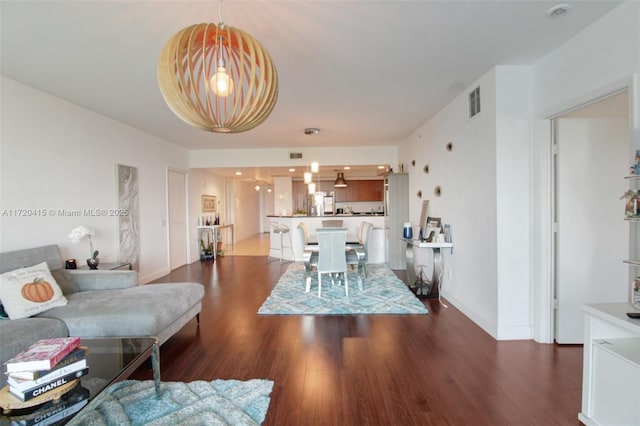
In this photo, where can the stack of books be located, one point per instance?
(45, 366)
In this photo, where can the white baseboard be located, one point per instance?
(148, 278)
(523, 332)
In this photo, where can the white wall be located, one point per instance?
(513, 188)
(283, 195)
(56, 155)
(485, 180)
(492, 149)
(280, 157)
(603, 57)
(246, 217)
(467, 176)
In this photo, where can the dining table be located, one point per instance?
(352, 244)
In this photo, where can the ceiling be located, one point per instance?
(368, 73)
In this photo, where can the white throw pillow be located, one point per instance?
(28, 291)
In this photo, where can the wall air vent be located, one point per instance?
(474, 102)
(295, 155)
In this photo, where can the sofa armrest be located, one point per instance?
(103, 280)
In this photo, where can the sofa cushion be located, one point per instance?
(139, 311)
(64, 280)
(28, 291)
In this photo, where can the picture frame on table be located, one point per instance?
(432, 229)
(423, 220)
(209, 204)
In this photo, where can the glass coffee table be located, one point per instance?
(110, 360)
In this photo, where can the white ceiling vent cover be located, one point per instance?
(474, 102)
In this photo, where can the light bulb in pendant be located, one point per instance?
(307, 177)
(315, 167)
(312, 188)
(221, 83)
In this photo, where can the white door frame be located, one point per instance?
(187, 215)
(544, 291)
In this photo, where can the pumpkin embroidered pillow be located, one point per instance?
(28, 291)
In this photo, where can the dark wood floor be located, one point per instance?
(436, 369)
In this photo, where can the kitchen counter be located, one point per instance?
(329, 216)
(377, 247)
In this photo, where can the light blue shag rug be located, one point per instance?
(220, 402)
(383, 293)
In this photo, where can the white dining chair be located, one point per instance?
(332, 256)
(309, 258)
(365, 236)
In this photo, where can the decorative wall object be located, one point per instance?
(128, 224)
(209, 204)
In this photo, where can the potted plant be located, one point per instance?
(206, 249)
(80, 233)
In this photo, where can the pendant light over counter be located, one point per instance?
(218, 78)
(340, 182)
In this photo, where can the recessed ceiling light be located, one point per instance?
(238, 173)
(292, 170)
(347, 168)
(381, 167)
(558, 10)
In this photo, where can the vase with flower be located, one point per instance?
(80, 233)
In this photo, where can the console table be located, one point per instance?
(213, 229)
(433, 284)
(111, 266)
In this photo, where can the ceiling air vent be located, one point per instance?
(295, 155)
(474, 102)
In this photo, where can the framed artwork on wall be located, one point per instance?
(208, 204)
(128, 225)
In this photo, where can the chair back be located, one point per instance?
(331, 249)
(302, 235)
(365, 235)
(333, 223)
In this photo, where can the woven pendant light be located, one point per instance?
(244, 79)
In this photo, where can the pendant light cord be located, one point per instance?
(220, 29)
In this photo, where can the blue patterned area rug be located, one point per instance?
(383, 293)
(220, 402)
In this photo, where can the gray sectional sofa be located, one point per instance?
(100, 304)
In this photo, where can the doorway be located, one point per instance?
(590, 160)
(177, 206)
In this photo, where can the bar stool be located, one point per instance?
(282, 230)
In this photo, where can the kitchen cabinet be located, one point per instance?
(357, 190)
